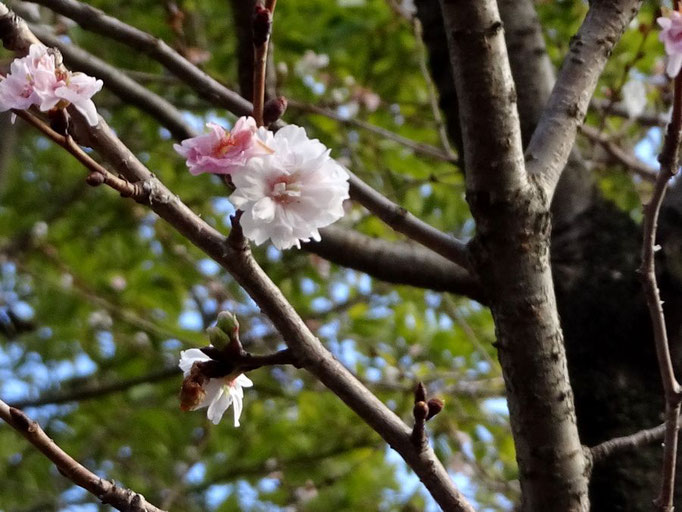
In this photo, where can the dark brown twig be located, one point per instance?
(625, 158)
(107, 492)
(139, 191)
(617, 445)
(668, 158)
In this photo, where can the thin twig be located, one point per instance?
(625, 158)
(98, 174)
(417, 147)
(669, 163)
(262, 27)
(617, 445)
(107, 492)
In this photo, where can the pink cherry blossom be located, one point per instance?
(671, 35)
(288, 195)
(222, 152)
(18, 89)
(35, 80)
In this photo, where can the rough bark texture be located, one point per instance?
(594, 252)
(511, 256)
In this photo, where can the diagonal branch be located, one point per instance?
(237, 259)
(590, 49)
(107, 492)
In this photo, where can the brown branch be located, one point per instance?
(262, 27)
(404, 222)
(107, 492)
(617, 445)
(309, 351)
(625, 158)
(669, 159)
(551, 143)
(417, 147)
(99, 175)
(395, 262)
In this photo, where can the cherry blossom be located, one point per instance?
(671, 35)
(74, 88)
(220, 393)
(288, 195)
(222, 152)
(35, 80)
(17, 90)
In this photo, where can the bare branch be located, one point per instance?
(404, 222)
(395, 262)
(669, 158)
(617, 445)
(620, 155)
(107, 492)
(549, 148)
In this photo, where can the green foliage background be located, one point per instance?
(94, 290)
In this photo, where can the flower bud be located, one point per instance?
(435, 406)
(219, 338)
(262, 23)
(227, 322)
(274, 109)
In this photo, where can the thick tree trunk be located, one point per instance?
(595, 252)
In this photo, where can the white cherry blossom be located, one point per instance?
(221, 392)
(288, 195)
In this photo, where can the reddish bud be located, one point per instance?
(420, 393)
(420, 411)
(274, 109)
(95, 179)
(435, 406)
(262, 23)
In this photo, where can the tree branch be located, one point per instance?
(404, 222)
(591, 47)
(395, 262)
(617, 445)
(669, 158)
(620, 155)
(237, 259)
(107, 492)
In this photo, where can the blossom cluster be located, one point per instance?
(37, 80)
(286, 185)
